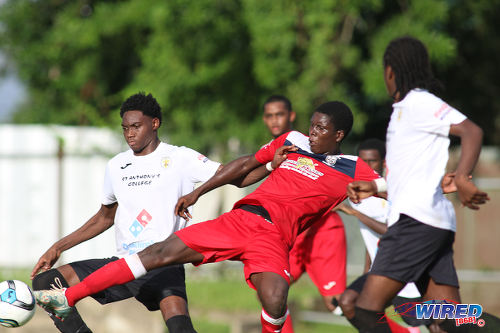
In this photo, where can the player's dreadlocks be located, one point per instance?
(140, 102)
(409, 60)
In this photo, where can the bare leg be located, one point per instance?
(272, 290)
(377, 292)
(347, 302)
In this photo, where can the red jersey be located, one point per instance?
(305, 186)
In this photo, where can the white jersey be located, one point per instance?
(417, 153)
(378, 209)
(147, 189)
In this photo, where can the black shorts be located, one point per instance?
(411, 251)
(357, 285)
(149, 289)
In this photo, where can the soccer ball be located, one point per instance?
(17, 304)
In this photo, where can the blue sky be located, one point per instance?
(12, 92)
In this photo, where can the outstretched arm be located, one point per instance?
(96, 225)
(237, 172)
(262, 172)
(471, 137)
(373, 224)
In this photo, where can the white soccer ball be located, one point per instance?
(17, 304)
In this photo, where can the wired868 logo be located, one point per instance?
(462, 313)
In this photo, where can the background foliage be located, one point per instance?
(211, 63)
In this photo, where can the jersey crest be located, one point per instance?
(165, 161)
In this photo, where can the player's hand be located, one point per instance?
(46, 261)
(448, 182)
(468, 194)
(184, 202)
(281, 155)
(358, 190)
(345, 209)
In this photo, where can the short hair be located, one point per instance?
(140, 102)
(375, 144)
(410, 62)
(278, 98)
(340, 115)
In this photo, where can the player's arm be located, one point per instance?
(368, 262)
(253, 177)
(234, 172)
(471, 137)
(96, 225)
(361, 189)
(373, 224)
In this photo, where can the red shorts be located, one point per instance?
(321, 252)
(243, 236)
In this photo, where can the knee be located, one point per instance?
(274, 300)
(347, 301)
(49, 279)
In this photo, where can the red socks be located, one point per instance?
(271, 325)
(114, 273)
(287, 325)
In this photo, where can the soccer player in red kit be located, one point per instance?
(321, 250)
(309, 176)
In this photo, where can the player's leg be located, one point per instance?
(348, 298)
(62, 277)
(326, 247)
(164, 289)
(370, 306)
(272, 290)
(297, 268)
(175, 314)
(120, 272)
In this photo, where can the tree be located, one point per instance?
(212, 63)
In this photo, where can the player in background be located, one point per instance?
(421, 217)
(372, 214)
(320, 250)
(309, 177)
(141, 187)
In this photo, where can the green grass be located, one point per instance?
(21, 274)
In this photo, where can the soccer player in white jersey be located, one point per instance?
(418, 246)
(321, 250)
(372, 214)
(141, 187)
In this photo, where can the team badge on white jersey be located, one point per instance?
(165, 161)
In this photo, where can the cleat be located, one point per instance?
(53, 301)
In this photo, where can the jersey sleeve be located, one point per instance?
(266, 153)
(108, 195)
(364, 172)
(198, 167)
(433, 115)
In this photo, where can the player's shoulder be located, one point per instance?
(298, 139)
(121, 157)
(187, 153)
(421, 100)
